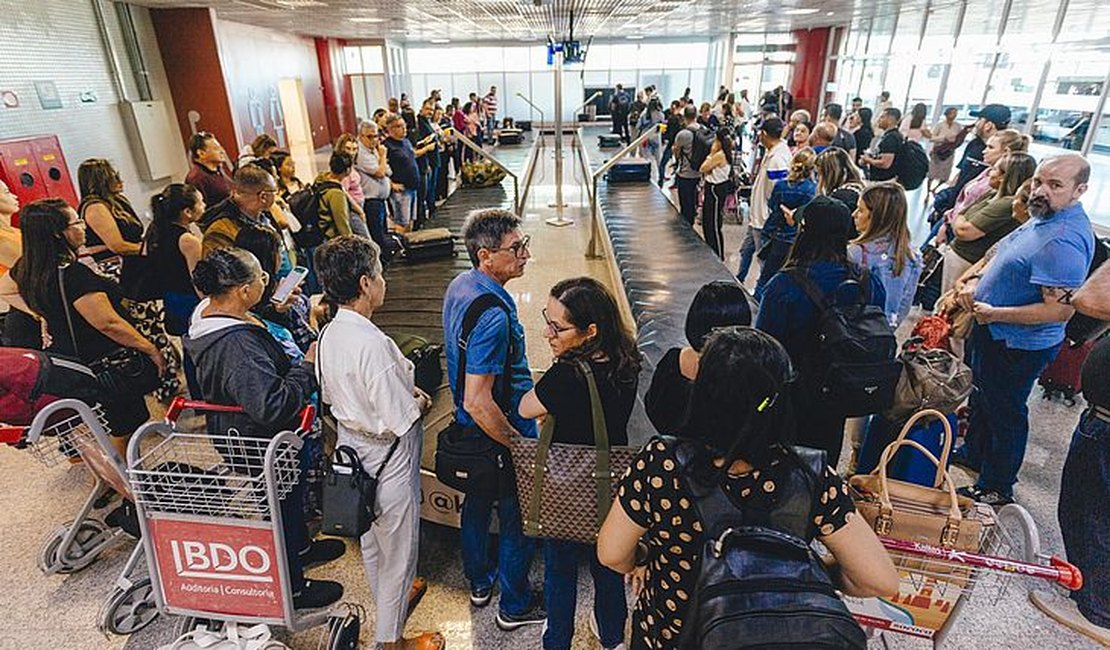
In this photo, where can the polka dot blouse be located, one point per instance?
(656, 497)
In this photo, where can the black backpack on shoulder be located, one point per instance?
(856, 369)
(305, 204)
(699, 149)
(911, 165)
(760, 584)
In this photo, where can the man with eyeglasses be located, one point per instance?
(406, 179)
(252, 194)
(207, 173)
(486, 403)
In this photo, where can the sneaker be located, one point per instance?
(992, 498)
(317, 594)
(323, 551)
(535, 615)
(962, 461)
(481, 597)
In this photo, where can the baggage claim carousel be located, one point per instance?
(659, 260)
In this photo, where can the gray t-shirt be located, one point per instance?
(367, 164)
(684, 149)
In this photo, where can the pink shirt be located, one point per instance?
(352, 184)
(972, 192)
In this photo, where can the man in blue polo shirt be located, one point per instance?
(1021, 300)
(499, 252)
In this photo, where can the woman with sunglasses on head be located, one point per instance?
(737, 441)
(583, 326)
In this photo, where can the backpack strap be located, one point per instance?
(812, 291)
(474, 312)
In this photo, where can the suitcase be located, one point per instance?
(630, 170)
(430, 244)
(908, 464)
(609, 141)
(1061, 377)
(510, 136)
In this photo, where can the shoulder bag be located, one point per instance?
(565, 490)
(125, 371)
(466, 458)
(931, 379)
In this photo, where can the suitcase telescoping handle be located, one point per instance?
(179, 404)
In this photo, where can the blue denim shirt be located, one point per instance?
(878, 256)
(1052, 251)
(487, 346)
(789, 194)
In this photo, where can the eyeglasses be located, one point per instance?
(263, 276)
(73, 224)
(552, 326)
(266, 193)
(517, 248)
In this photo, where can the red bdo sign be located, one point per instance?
(218, 568)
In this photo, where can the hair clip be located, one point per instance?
(767, 403)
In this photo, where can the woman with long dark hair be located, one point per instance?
(174, 247)
(820, 254)
(737, 440)
(865, 133)
(114, 229)
(80, 308)
(913, 126)
(583, 326)
(717, 172)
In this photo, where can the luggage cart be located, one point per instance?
(62, 432)
(68, 429)
(209, 510)
(936, 583)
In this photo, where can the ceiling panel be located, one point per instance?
(534, 20)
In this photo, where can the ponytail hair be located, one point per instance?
(801, 167)
(166, 208)
(1012, 140)
(223, 270)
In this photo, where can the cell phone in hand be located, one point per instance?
(288, 284)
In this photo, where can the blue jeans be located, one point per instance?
(1084, 514)
(359, 226)
(560, 590)
(430, 190)
(663, 163)
(772, 263)
(999, 426)
(687, 197)
(514, 551)
(753, 240)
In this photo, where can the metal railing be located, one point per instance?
(529, 172)
(538, 127)
(595, 232)
(517, 203)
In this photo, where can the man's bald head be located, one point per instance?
(824, 134)
(1058, 182)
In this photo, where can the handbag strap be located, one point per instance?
(65, 308)
(884, 487)
(946, 447)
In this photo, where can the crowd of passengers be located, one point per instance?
(89, 280)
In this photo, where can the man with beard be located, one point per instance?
(1021, 300)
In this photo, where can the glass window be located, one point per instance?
(653, 56)
(1070, 99)
(980, 29)
(372, 60)
(426, 59)
(1085, 22)
(937, 44)
(968, 79)
(519, 59)
(352, 62)
(909, 30)
(514, 106)
(1030, 22)
(1015, 80)
(1097, 198)
(597, 57)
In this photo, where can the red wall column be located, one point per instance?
(809, 62)
(191, 56)
(338, 96)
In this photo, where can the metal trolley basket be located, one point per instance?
(209, 510)
(936, 583)
(68, 430)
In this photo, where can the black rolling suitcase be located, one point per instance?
(510, 136)
(630, 170)
(430, 244)
(609, 141)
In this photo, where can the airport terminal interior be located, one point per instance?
(651, 146)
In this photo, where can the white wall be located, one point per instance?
(58, 40)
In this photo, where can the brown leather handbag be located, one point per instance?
(565, 490)
(931, 515)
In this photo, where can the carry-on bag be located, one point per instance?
(609, 141)
(931, 515)
(565, 490)
(630, 170)
(510, 136)
(425, 356)
(936, 434)
(429, 244)
(931, 379)
(467, 459)
(351, 494)
(1062, 377)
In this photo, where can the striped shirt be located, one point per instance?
(489, 102)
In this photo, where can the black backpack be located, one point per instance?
(911, 165)
(699, 149)
(855, 370)
(760, 585)
(305, 204)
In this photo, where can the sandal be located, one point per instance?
(416, 594)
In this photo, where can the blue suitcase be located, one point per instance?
(908, 464)
(630, 170)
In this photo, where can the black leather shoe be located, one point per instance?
(318, 593)
(323, 551)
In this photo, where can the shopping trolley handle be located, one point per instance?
(1070, 577)
(179, 404)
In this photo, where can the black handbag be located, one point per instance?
(350, 494)
(125, 371)
(466, 458)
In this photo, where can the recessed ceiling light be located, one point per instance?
(799, 12)
(440, 41)
(830, 13)
(364, 19)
